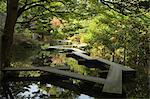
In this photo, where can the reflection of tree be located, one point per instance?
(43, 91)
(18, 87)
(57, 92)
(75, 67)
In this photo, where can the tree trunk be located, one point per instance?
(7, 36)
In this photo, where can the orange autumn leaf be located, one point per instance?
(55, 22)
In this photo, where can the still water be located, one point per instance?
(33, 91)
(38, 90)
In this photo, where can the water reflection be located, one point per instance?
(23, 86)
(35, 91)
(42, 85)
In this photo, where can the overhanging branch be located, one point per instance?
(127, 7)
(31, 5)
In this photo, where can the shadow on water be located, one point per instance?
(44, 85)
(37, 90)
(54, 89)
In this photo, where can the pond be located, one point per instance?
(38, 91)
(57, 72)
(42, 85)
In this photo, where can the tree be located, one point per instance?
(15, 9)
(7, 36)
(101, 29)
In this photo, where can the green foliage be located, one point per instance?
(107, 32)
(75, 67)
(2, 6)
(126, 37)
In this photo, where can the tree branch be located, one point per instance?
(127, 7)
(23, 8)
(30, 20)
(104, 2)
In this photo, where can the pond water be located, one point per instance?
(34, 91)
(54, 86)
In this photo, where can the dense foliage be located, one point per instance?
(115, 30)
